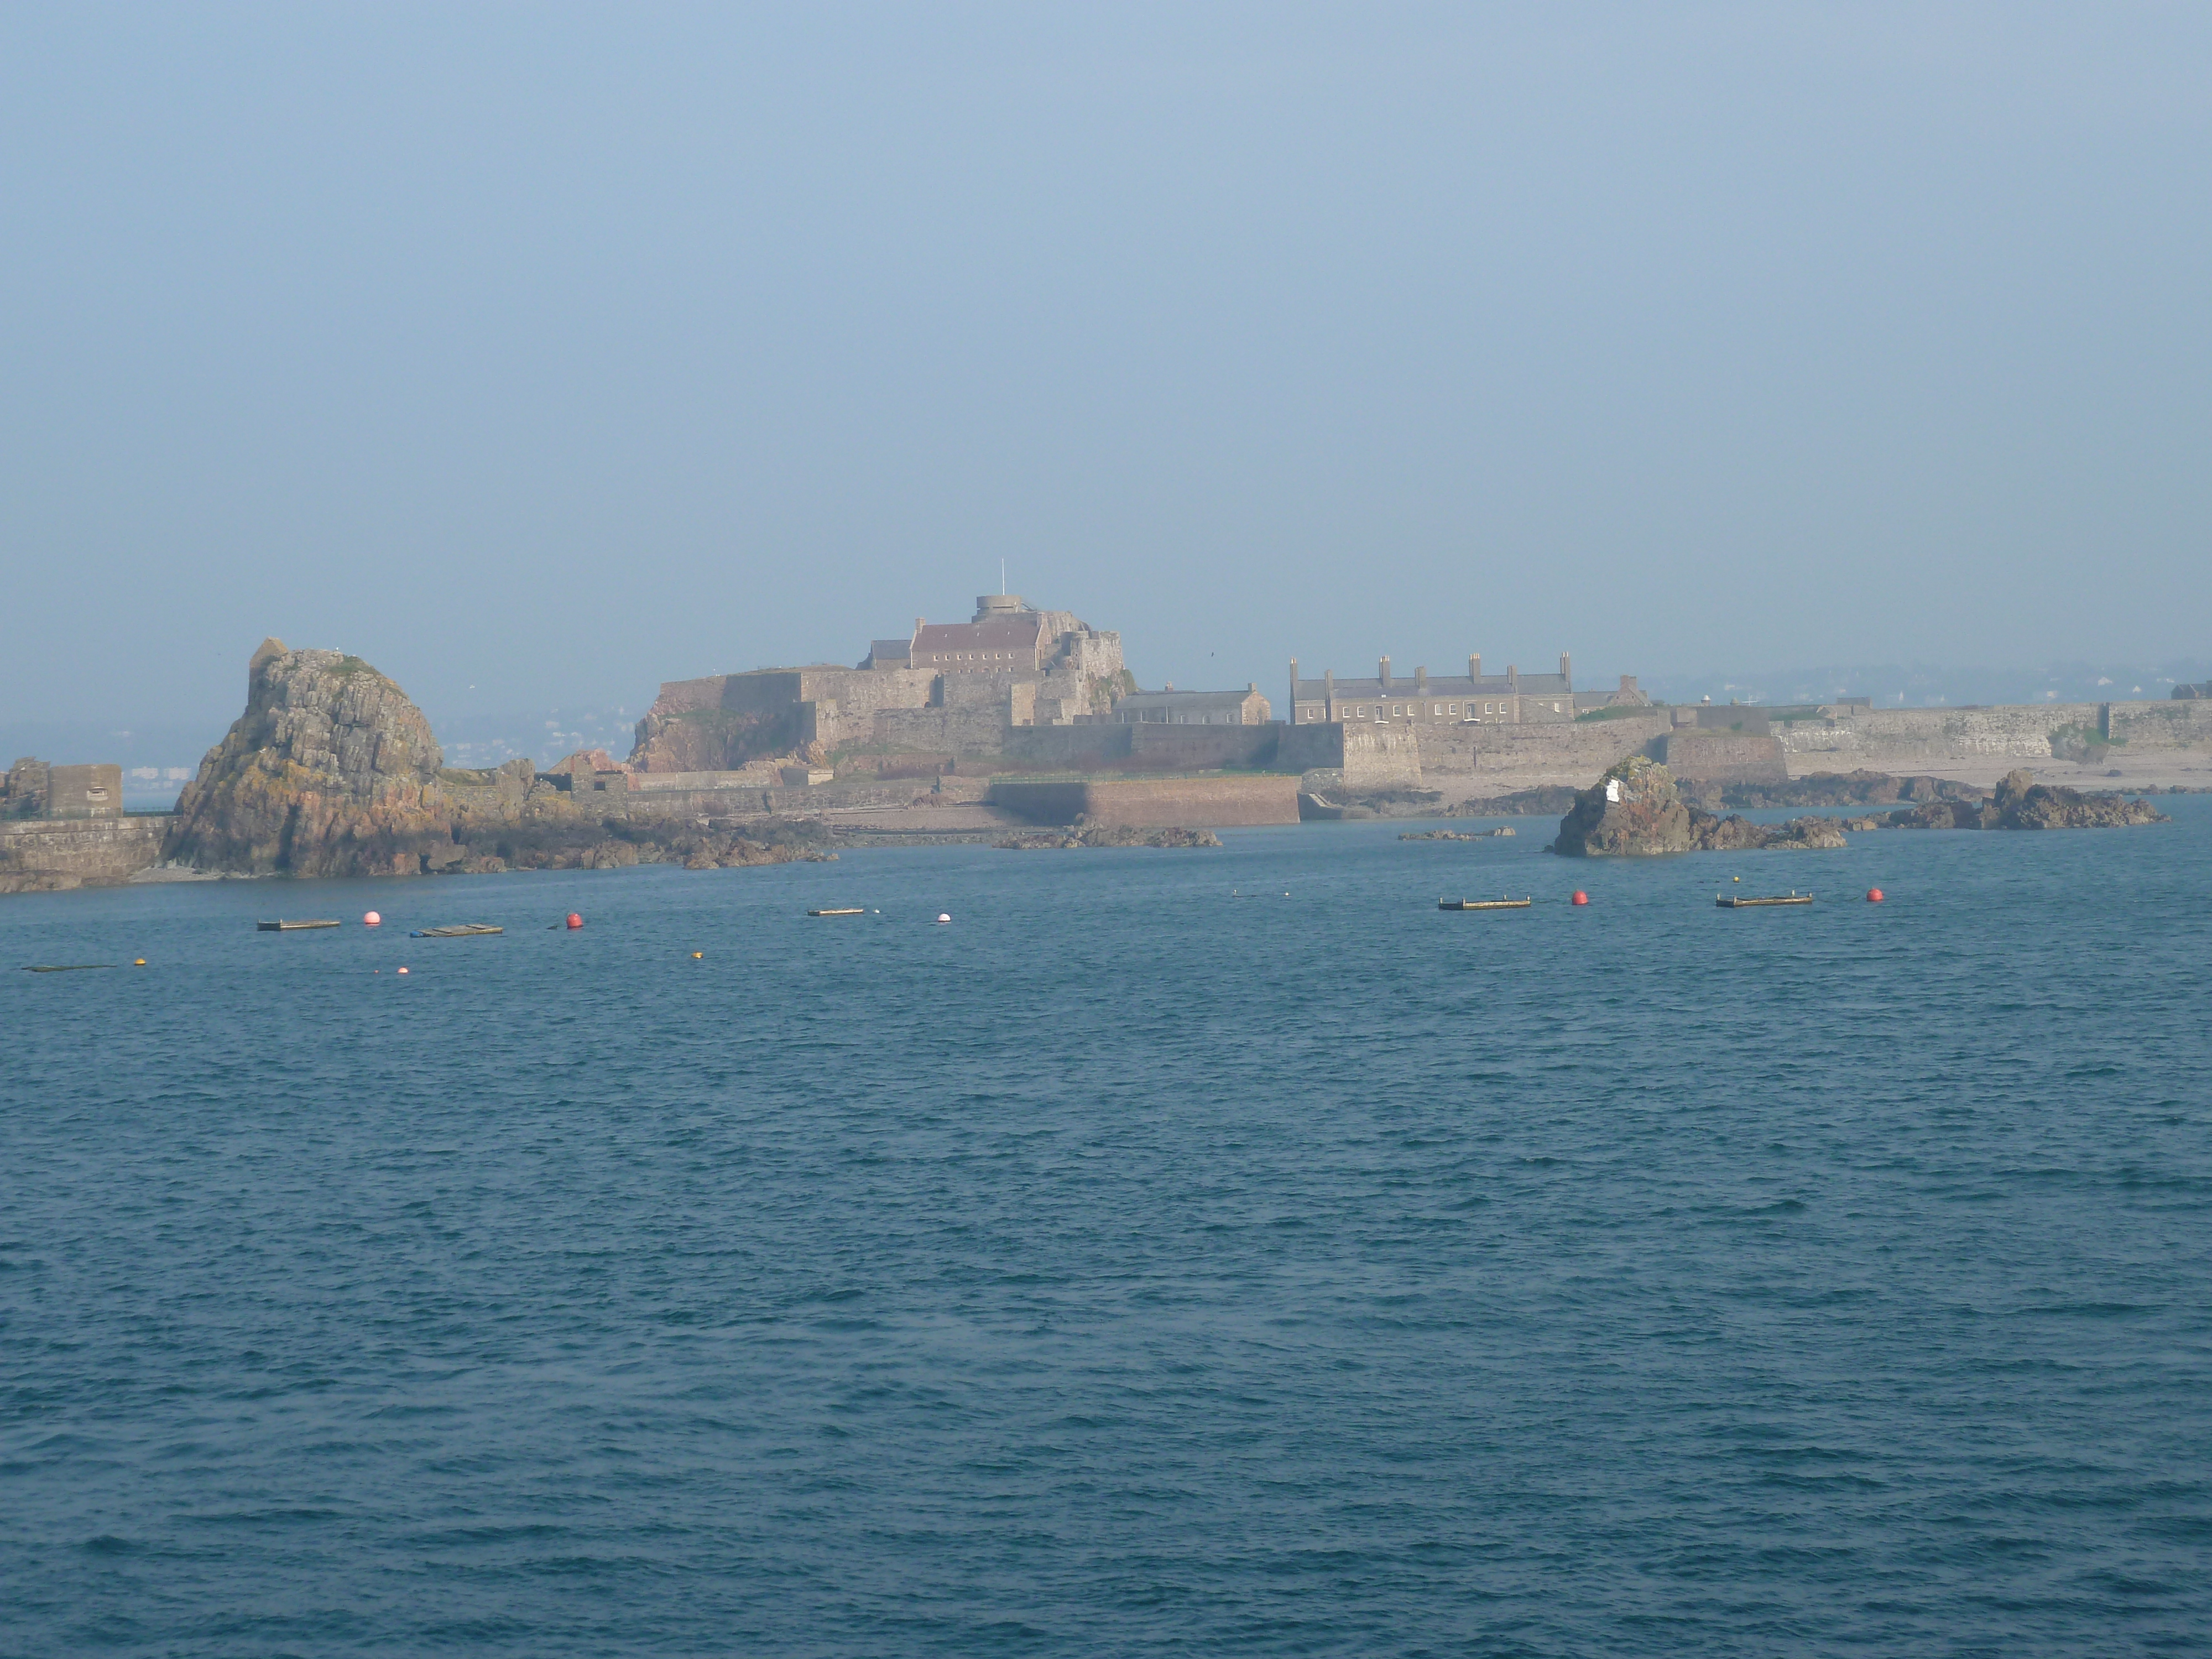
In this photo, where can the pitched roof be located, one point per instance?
(1185, 699)
(1018, 632)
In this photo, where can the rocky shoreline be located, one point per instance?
(1086, 833)
(332, 771)
(1637, 810)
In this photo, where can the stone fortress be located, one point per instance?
(1021, 714)
(946, 687)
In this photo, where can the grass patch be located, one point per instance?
(1614, 714)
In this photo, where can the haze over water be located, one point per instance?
(1191, 1252)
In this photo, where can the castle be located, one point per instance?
(946, 687)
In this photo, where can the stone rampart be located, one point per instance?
(1569, 751)
(1723, 756)
(2175, 724)
(1916, 740)
(957, 728)
(48, 855)
(1199, 803)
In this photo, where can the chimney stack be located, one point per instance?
(1420, 682)
(1329, 694)
(1567, 670)
(1382, 674)
(1293, 715)
(1474, 666)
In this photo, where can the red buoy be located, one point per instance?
(1580, 898)
(1874, 896)
(575, 920)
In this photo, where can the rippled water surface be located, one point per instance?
(1200, 1252)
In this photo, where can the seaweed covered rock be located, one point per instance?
(2023, 804)
(1084, 832)
(2020, 803)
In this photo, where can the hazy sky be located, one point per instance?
(557, 352)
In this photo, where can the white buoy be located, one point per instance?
(941, 917)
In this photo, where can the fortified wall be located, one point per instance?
(52, 855)
(1216, 802)
(2169, 742)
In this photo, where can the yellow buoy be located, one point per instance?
(141, 963)
(698, 956)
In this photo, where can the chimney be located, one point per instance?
(1294, 691)
(1513, 678)
(1420, 682)
(1567, 670)
(1329, 693)
(1382, 674)
(1474, 666)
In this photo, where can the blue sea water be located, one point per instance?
(1195, 1252)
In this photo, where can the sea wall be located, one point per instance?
(1562, 751)
(1200, 803)
(48, 855)
(1913, 739)
(1141, 747)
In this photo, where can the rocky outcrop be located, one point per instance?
(1085, 833)
(1859, 788)
(2020, 803)
(1636, 810)
(332, 771)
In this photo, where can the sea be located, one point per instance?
(1219, 1251)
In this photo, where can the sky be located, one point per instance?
(538, 354)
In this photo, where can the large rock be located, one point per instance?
(1633, 811)
(330, 771)
(1636, 810)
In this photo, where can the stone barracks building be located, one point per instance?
(1511, 698)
